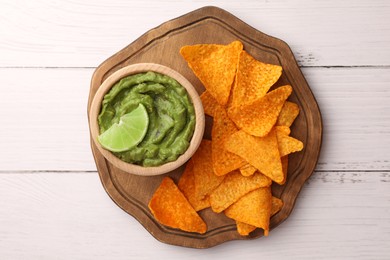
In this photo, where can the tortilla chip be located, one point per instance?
(223, 160)
(282, 130)
(277, 205)
(172, 209)
(209, 103)
(187, 186)
(247, 170)
(254, 209)
(288, 144)
(288, 114)
(215, 66)
(245, 229)
(205, 179)
(233, 187)
(261, 152)
(253, 80)
(259, 117)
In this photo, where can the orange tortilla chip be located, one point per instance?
(288, 114)
(247, 170)
(254, 209)
(282, 130)
(187, 186)
(233, 187)
(205, 179)
(223, 160)
(277, 205)
(261, 152)
(259, 117)
(253, 80)
(244, 229)
(209, 103)
(171, 208)
(215, 66)
(288, 144)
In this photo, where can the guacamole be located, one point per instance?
(171, 116)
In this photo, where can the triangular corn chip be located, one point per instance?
(223, 160)
(244, 229)
(205, 179)
(261, 152)
(288, 144)
(253, 80)
(171, 208)
(259, 117)
(247, 170)
(187, 186)
(215, 66)
(288, 114)
(253, 208)
(233, 187)
(209, 103)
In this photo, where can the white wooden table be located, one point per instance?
(52, 204)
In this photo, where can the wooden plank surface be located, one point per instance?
(52, 204)
(82, 34)
(69, 216)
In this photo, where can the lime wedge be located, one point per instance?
(128, 133)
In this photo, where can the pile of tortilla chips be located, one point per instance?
(250, 142)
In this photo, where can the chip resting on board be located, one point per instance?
(254, 209)
(187, 186)
(215, 66)
(233, 187)
(259, 117)
(205, 179)
(223, 160)
(261, 152)
(253, 80)
(171, 208)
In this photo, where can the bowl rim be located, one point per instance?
(135, 69)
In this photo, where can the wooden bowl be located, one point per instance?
(137, 169)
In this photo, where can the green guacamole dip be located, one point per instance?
(171, 116)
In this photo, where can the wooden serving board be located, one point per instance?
(161, 45)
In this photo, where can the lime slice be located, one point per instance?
(128, 133)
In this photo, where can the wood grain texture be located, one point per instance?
(162, 45)
(82, 34)
(338, 215)
(53, 211)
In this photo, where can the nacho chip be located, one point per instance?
(288, 114)
(209, 103)
(223, 160)
(288, 144)
(215, 66)
(233, 187)
(187, 186)
(261, 152)
(282, 130)
(172, 209)
(277, 205)
(253, 80)
(247, 170)
(254, 209)
(259, 117)
(205, 179)
(245, 229)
